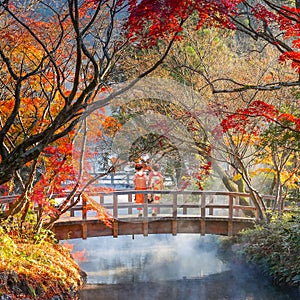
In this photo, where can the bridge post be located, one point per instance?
(211, 209)
(184, 209)
(101, 199)
(145, 227)
(112, 179)
(174, 207)
(174, 213)
(174, 227)
(145, 207)
(115, 228)
(84, 231)
(202, 214)
(72, 213)
(115, 206)
(130, 201)
(145, 211)
(230, 216)
(84, 208)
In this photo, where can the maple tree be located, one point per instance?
(244, 87)
(57, 63)
(197, 60)
(57, 58)
(273, 139)
(271, 23)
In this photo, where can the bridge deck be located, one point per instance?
(78, 228)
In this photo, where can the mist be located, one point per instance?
(168, 267)
(148, 259)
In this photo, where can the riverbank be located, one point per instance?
(273, 247)
(36, 269)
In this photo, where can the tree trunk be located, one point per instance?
(232, 186)
(229, 184)
(278, 203)
(255, 196)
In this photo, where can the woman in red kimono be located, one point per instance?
(140, 183)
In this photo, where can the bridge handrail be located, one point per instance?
(11, 198)
(205, 203)
(130, 204)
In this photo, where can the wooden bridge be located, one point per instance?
(200, 212)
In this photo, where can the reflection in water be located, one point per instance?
(167, 267)
(221, 286)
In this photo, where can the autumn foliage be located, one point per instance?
(270, 136)
(242, 117)
(286, 20)
(58, 63)
(151, 21)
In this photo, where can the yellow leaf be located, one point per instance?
(237, 177)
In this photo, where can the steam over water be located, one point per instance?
(145, 259)
(167, 267)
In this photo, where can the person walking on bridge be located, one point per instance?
(140, 183)
(155, 182)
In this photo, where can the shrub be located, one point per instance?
(34, 266)
(275, 248)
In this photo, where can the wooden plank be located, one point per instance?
(244, 207)
(217, 205)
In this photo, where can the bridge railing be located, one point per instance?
(173, 203)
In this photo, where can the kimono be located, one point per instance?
(140, 183)
(155, 182)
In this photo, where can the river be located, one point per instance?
(183, 267)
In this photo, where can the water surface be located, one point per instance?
(168, 267)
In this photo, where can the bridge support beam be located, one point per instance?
(115, 228)
(202, 213)
(230, 216)
(145, 228)
(84, 231)
(202, 227)
(174, 227)
(230, 228)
